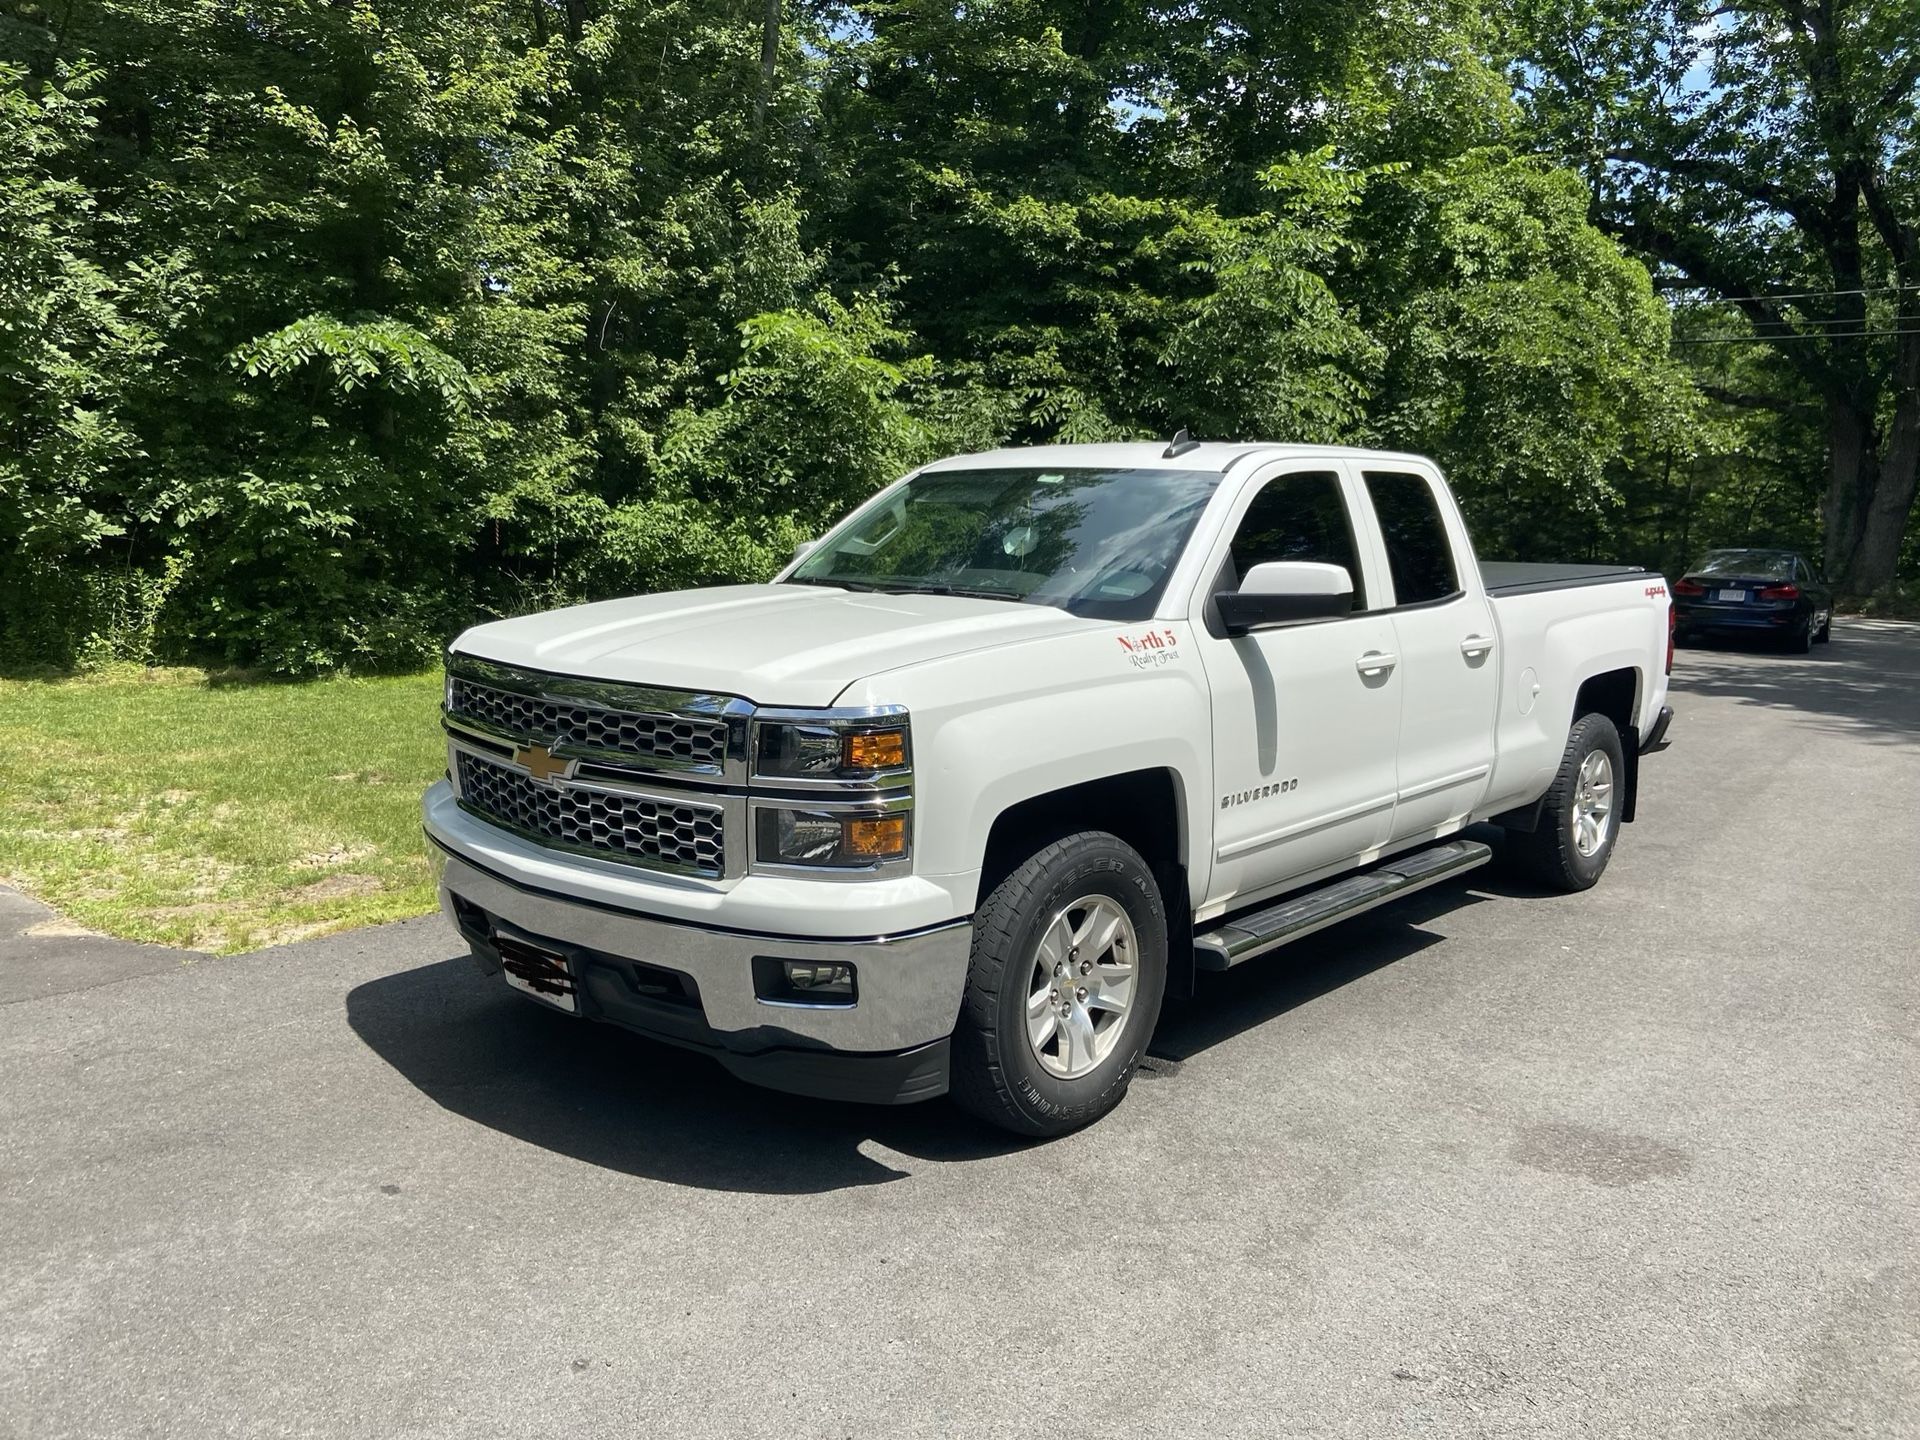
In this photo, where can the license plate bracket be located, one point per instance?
(547, 975)
(1731, 597)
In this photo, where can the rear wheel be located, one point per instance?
(1580, 818)
(1068, 971)
(1799, 640)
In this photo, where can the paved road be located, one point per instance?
(1640, 1162)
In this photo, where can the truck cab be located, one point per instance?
(1022, 743)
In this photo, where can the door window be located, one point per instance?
(1419, 554)
(1298, 517)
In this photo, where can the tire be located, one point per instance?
(999, 1071)
(1825, 633)
(1800, 640)
(1553, 853)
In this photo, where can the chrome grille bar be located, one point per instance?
(636, 727)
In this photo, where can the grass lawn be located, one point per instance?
(165, 805)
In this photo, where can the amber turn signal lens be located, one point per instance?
(877, 839)
(877, 750)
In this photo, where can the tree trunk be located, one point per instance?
(1876, 553)
(1871, 479)
(769, 56)
(1853, 473)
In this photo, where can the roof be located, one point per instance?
(1218, 456)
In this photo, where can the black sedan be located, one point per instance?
(1773, 594)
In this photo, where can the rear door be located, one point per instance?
(1305, 716)
(1443, 629)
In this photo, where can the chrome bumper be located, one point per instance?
(909, 985)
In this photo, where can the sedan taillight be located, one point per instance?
(1780, 592)
(1688, 587)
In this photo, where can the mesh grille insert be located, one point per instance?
(652, 832)
(565, 722)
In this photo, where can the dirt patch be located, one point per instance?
(339, 887)
(59, 928)
(327, 859)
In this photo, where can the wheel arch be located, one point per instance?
(1616, 695)
(1146, 808)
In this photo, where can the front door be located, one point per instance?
(1305, 716)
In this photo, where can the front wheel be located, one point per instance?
(1580, 819)
(1068, 971)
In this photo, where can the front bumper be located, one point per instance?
(693, 986)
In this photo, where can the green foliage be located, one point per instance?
(1524, 351)
(1765, 154)
(328, 328)
(67, 344)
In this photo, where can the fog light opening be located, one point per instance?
(805, 982)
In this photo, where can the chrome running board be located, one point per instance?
(1287, 920)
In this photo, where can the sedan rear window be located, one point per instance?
(1757, 564)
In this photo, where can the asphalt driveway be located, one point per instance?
(1637, 1162)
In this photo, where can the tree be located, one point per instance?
(1767, 152)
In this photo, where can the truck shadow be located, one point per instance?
(609, 1098)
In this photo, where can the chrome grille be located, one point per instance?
(558, 722)
(664, 834)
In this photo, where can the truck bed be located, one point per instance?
(1513, 577)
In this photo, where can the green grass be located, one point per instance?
(167, 805)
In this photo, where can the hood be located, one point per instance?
(772, 644)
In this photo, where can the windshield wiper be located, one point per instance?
(908, 587)
(834, 584)
(969, 592)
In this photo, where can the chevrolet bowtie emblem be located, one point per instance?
(542, 763)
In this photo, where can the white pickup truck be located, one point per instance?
(1022, 744)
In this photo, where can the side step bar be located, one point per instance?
(1246, 936)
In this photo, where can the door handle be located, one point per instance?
(1475, 645)
(1375, 662)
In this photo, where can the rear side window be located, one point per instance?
(1419, 555)
(1298, 517)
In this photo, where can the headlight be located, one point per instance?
(835, 748)
(822, 838)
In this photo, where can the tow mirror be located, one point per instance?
(1285, 592)
(804, 549)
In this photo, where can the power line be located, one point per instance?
(1776, 339)
(1797, 294)
(1855, 321)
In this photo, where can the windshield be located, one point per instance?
(1099, 543)
(1761, 564)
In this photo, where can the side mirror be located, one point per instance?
(804, 549)
(1284, 592)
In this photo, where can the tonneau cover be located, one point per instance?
(1513, 577)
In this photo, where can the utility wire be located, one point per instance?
(1853, 321)
(1794, 294)
(1776, 339)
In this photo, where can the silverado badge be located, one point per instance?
(542, 764)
